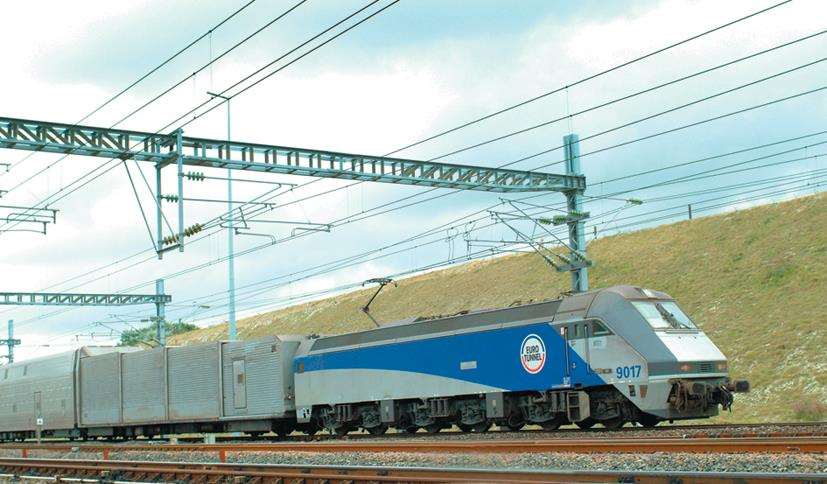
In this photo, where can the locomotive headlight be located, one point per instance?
(686, 367)
(722, 366)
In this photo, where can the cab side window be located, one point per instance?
(598, 329)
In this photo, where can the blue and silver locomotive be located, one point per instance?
(610, 356)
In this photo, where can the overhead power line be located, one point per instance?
(89, 175)
(646, 91)
(173, 86)
(589, 78)
(155, 69)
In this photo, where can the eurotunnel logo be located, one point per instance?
(533, 354)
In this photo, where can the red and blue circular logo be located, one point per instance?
(533, 354)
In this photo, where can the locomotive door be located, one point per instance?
(577, 367)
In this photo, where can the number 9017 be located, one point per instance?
(622, 372)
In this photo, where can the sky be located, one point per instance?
(418, 68)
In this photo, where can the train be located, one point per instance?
(612, 356)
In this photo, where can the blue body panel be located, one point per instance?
(492, 358)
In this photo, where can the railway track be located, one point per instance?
(583, 446)
(109, 471)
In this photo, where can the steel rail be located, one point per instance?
(581, 446)
(110, 471)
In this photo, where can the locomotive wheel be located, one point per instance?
(586, 423)
(551, 425)
(434, 428)
(341, 431)
(614, 423)
(465, 428)
(378, 430)
(648, 420)
(481, 427)
(514, 423)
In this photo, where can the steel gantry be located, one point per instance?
(175, 149)
(159, 299)
(67, 299)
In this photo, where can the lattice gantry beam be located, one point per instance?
(64, 299)
(163, 149)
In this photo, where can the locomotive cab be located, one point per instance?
(682, 375)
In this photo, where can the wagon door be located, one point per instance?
(239, 384)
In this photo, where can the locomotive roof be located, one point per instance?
(417, 327)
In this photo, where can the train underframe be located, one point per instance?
(477, 413)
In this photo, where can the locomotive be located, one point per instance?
(611, 356)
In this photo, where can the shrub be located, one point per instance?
(810, 410)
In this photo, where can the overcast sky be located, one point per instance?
(418, 68)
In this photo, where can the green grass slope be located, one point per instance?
(755, 280)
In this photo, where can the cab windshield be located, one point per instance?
(664, 315)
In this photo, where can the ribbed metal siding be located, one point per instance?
(263, 378)
(193, 382)
(144, 386)
(53, 377)
(100, 388)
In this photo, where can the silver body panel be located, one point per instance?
(241, 380)
(144, 386)
(48, 383)
(194, 382)
(258, 380)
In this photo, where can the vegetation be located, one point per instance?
(755, 280)
(810, 410)
(146, 336)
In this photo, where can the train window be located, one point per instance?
(598, 329)
(663, 315)
(577, 331)
(674, 312)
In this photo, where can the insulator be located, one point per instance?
(193, 229)
(195, 176)
(170, 198)
(171, 239)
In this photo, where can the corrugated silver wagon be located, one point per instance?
(212, 387)
(42, 389)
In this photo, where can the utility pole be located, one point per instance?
(690, 211)
(11, 342)
(160, 315)
(231, 321)
(575, 218)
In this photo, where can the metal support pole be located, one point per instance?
(576, 223)
(690, 211)
(232, 331)
(10, 341)
(179, 148)
(159, 228)
(160, 314)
